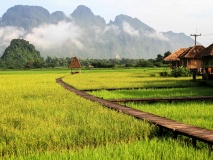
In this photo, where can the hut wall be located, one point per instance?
(184, 62)
(207, 62)
(174, 64)
(194, 63)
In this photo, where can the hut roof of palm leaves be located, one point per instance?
(75, 63)
(208, 51)
(174, 55)
(193, 52)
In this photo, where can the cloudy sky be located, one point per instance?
(187, 16)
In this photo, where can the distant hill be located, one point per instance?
(18, 53)
(58, 16)
(25, 16)
(84, 17)
(125, 37)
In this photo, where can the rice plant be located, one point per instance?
(38, 115)
(193, 113)
(39, 119)
(105, 79)
(153, 93)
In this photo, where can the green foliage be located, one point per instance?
(157, 64)
(102, 65)
(152, 75)
(164, 74)
(57, 62)
(180, 72)
(159, 58)
(144, 63)
(166, 54)
(2, 64)
(21, 54)
(34, 64)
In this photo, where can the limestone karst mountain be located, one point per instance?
(89, 35)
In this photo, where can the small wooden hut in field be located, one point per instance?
(207, 62)
(173, 59)
(192, 57)
(75, 64)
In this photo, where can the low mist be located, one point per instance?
(46, 38)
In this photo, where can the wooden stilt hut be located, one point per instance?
(173, 59)
(75, 64)
(192, 57)
(207, 59)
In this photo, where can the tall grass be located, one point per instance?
(153, 93)
(39, 119)
(105, 79)
(37, 115)
(154, 149)
(194, 113)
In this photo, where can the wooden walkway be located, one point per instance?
(196, 133)
(170, 99)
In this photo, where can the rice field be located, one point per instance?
(153, 93)
(156, 149)
(38, 115)
(193, 113)
(39, 119)
(129, 78)
(198, 113)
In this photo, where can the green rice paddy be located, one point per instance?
(41, 120)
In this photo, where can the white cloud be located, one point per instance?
(130, 30)
(54, 35)
(159, 36)
(45, 37)
(9, 33)
(113, 28)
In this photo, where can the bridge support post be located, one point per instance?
(175, 135)
(160, 131)
(194, 142)
(210, 147)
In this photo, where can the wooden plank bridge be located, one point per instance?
(194, 132)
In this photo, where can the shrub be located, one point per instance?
(180, 72)
(158, 64)
(164, 74)
(152, 75)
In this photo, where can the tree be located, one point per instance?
(19, 53)
(166, 54)
(2, 64)
(159, 58)
(144, 63)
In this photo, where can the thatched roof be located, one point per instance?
(75, 63)
(174, 55)
(208, 51)
(193, 52)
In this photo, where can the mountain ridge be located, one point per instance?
(91, 36)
